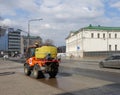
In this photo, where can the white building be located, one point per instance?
(93, 41)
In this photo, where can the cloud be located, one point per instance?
(5, 8)
(7, 22)
(73, 9)
(46, 26)
(116, 5)
(59, 16)
(53, 3)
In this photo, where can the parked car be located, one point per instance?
(5, 57)
(111, 61)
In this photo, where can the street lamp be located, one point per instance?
(29, 21)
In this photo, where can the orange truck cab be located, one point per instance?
(40, 60)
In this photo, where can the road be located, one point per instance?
(74, 78)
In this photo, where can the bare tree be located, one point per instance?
(48, 42)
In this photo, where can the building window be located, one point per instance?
(103, 35)
(98, 35)
(92, 35)
(109, 35)
(110, 48)
(115, 47)
(115, 35)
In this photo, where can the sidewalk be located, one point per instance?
(86, 59)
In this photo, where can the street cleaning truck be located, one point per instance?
(41, 60)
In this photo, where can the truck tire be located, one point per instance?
(27, 69)
(52, 74)
(37, 73)
(54, 71)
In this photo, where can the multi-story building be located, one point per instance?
(93, 41)
(3, 39)
(10, 41)
(14, 41)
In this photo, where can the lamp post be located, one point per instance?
(29, 21)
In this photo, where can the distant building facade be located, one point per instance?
(93, 41)
(3, 39)
(10, 41)
(33, 40)
(61, 49)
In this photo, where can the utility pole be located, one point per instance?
(29, 21)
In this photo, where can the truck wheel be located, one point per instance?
(27, 69)
(37, 73)
(54, 71)
(52, 74)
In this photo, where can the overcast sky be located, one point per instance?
(59, 16)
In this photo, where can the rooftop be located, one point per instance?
(102, 28)
(91, 27)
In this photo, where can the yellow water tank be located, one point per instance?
(43, 51)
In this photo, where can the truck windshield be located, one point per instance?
(30, 52)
